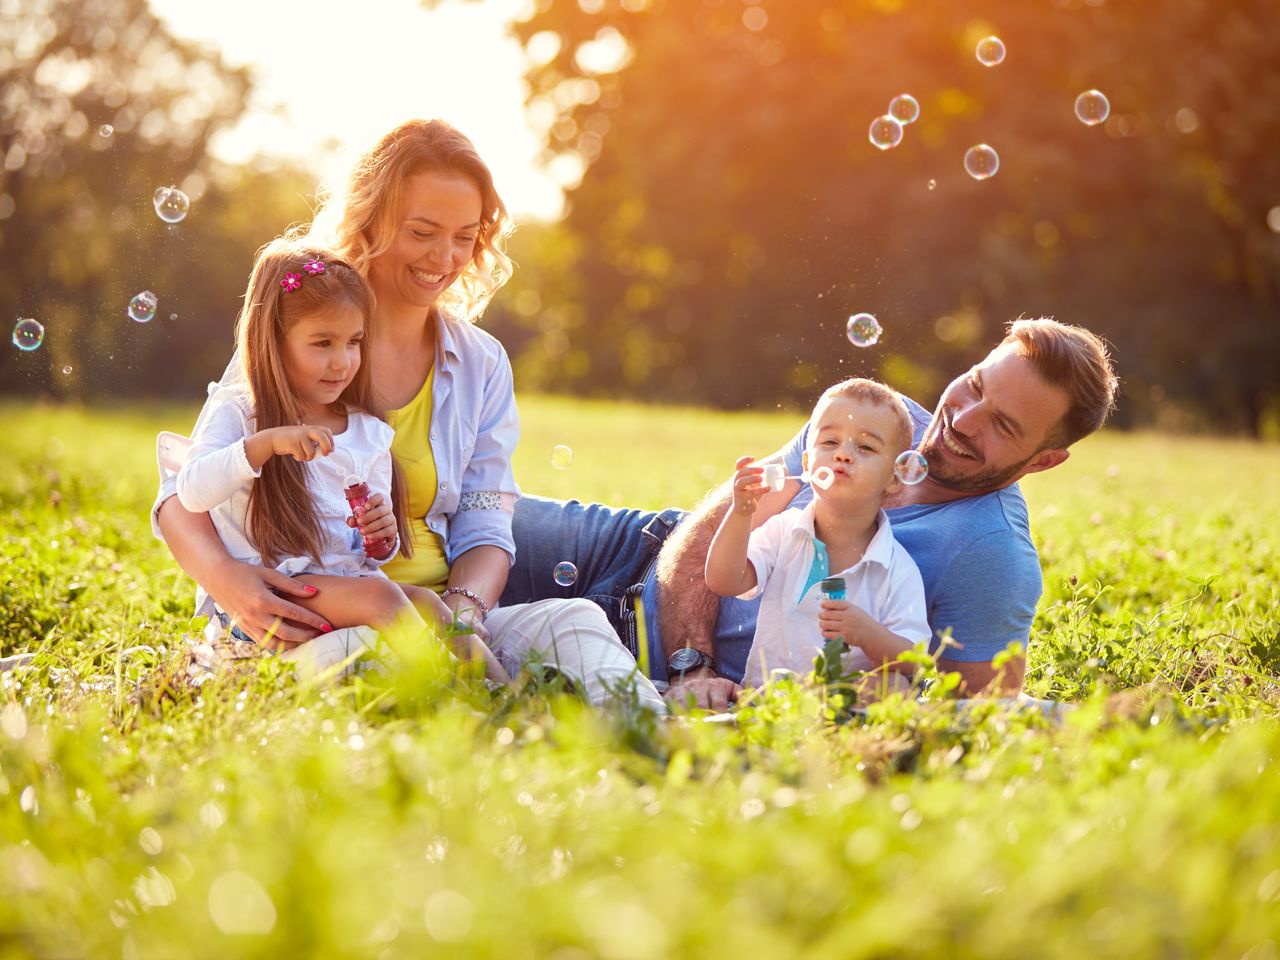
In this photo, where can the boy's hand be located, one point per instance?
(748, 486)
(302, 442)
(840, 618)
(375, 519)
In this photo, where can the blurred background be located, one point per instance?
(701, 208)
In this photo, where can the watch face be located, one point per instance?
(686, 658)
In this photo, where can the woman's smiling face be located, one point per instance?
(436, 230)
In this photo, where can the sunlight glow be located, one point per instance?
(331, 78)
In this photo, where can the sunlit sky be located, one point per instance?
(329, 71)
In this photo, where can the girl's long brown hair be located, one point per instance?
(282, 514)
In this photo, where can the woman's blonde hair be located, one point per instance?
(361, 220)
(282, 513)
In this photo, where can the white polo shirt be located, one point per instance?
(885, 583)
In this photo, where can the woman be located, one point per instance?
(421, 220)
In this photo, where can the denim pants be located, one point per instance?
(614, 549)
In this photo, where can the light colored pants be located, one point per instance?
(572, 635)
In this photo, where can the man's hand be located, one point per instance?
(702, 689)
(254, 597)
(748, 486)
(376, 519)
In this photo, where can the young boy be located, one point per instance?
(857, 430)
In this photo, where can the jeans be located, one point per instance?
(614, 549)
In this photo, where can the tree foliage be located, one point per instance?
(733, 212)
(100, 106)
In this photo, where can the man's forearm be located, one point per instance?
(686, 608)
(982, 678)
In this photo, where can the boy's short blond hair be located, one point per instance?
(872, 391)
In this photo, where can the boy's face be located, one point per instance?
(859, 441)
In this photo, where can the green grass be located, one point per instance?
(414, 814)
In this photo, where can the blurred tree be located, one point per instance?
(99, 107)
(733, 212)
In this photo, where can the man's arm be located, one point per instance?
(987, 596)
(985, 678)
(687, 609)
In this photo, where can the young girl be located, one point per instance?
(274, 451)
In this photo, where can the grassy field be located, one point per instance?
(414, 814)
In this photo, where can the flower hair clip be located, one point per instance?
(292, 281)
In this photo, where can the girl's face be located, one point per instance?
(321, 353)
(435, 238)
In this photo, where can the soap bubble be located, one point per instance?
(775, 476)
(911, 467)
(66, 371)
(106, 130)
(863, 330)
(142, 308)
(173, 316)
(1092, 107)
(28, 334)
(981, 162)
(565, 573)
(904, 108)
(171, 204)
(990, 51)
(561, 457)
(823, 478)
(933, 184)
(885, 132)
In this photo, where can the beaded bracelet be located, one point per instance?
(470, 595)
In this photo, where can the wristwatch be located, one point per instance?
(686, 659)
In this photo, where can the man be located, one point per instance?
(1045, 386)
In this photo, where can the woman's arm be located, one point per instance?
(249, 593)
(487, 486)
(482, 570)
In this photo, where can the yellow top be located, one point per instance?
(412, 450)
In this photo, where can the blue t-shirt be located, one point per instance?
(980, 569)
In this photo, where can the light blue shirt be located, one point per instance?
(474, 431)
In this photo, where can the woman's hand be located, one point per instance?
(375, 519)
(256, 599)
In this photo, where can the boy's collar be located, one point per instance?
(879, 550)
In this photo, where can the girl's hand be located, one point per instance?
(748, 486)
(376, 519)
(303, 442)
(840, 618)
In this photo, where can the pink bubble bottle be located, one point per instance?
(357, 494)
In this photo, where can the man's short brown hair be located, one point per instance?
(1075, 361)
(860, 388)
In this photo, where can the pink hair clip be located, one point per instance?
(291, 281)
(314, 267)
